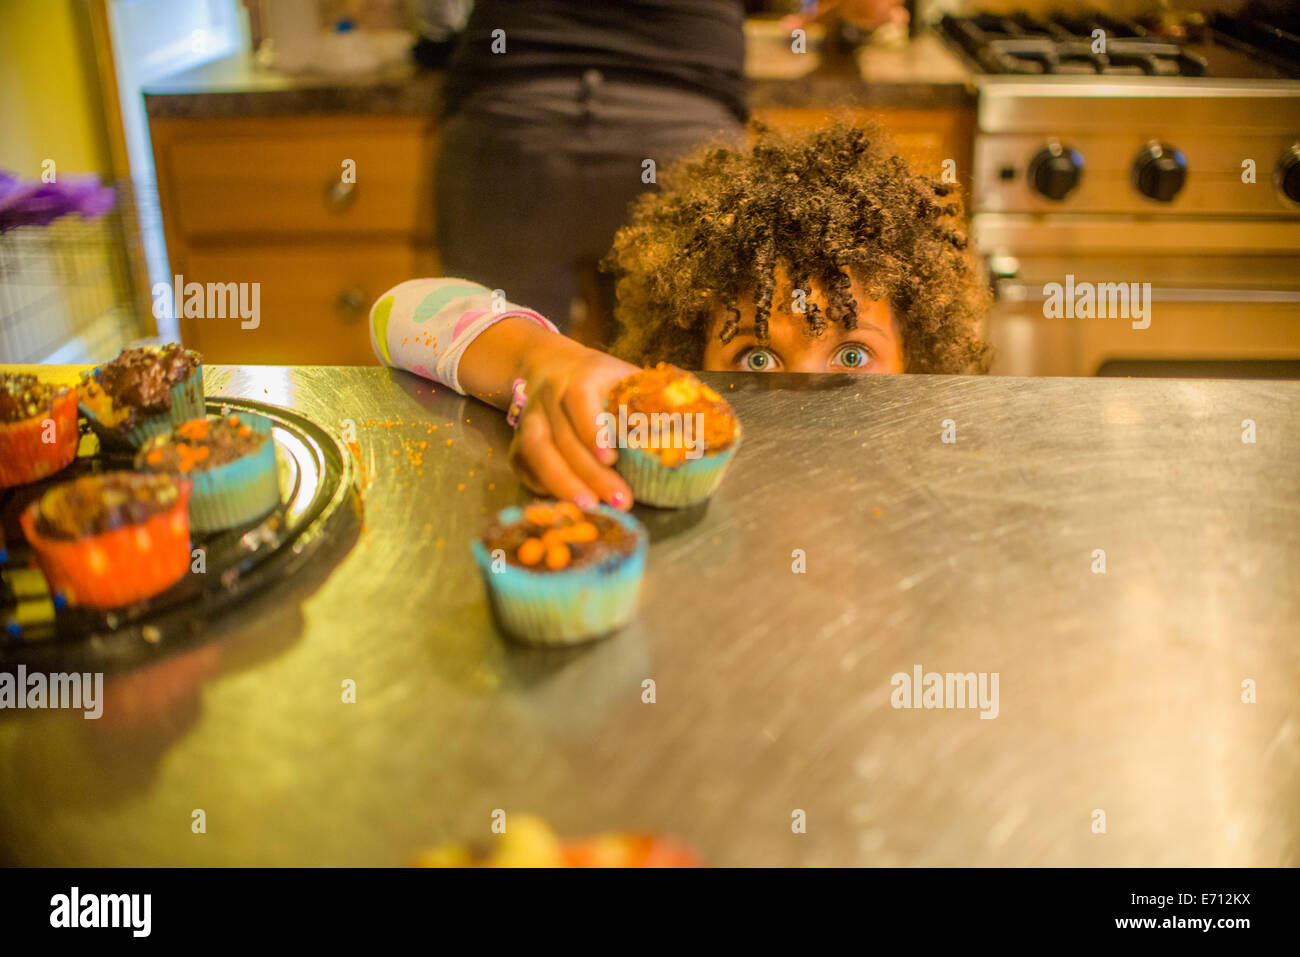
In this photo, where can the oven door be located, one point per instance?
(1224, 296)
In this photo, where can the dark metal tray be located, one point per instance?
(319, 518)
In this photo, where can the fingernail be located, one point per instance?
(584, 500)
(618, 500)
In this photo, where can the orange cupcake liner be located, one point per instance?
(120, 567)
(26, 457)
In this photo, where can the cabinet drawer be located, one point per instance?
(314, 300)
(285, 175)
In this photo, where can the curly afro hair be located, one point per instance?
(821, 204)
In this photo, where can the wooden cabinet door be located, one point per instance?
(314, 300)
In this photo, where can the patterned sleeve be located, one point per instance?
(425, 325)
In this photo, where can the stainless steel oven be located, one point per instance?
(1166, 163)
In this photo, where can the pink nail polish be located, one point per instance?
(618, 500)
(584, 501)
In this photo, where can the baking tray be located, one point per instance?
(318, 519)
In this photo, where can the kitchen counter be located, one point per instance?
(924, 75)
(1119, 692)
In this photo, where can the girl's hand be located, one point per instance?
(555, 449)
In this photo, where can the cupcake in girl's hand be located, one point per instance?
(675, 436)
(142, 393)
(558, 575)
(113, 539)
(231, 462)
(38, 428)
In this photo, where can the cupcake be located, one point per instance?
(675, 436)
(559, 575)
(530, 842)
(142, 393)
(113, 539)
(229, 460)
(38, 428)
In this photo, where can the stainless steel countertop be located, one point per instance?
(1119, 692)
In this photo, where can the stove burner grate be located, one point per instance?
(1062, 44)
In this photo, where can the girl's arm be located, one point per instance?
(456, 333)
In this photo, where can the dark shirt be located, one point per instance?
(693, 44)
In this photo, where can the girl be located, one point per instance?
(819, 252)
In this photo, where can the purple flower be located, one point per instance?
(39, 204)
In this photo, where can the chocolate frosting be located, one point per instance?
(94, 504)
(202, 444)
(142, 378)
(612, 540)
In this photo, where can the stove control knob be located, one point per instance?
(1159, 172)
(1287, 176)
(1055, 170)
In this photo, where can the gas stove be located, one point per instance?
(1086, 112)
(1106, 151)
(1096, 44)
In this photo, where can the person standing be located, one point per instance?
(558, 113)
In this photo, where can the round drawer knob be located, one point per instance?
(352, 302)
(340, 195)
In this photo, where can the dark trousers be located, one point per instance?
(534, 178)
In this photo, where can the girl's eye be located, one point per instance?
(758, 360)
(851, 355)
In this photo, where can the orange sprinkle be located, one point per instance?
(245, 431)
(540, 514)
(191, 455)
(569, 510)
(581, 532)
(196, 430)
(154, 457)
(460, 487)
(557, 555)
(531, 551)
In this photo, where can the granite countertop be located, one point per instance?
(925, 74)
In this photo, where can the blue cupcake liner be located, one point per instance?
(673, 486)
(187, 403)
(238, 492)
(569, 606)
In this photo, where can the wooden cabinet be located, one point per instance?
(323, 212)
(327, 212)
(925, 137)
